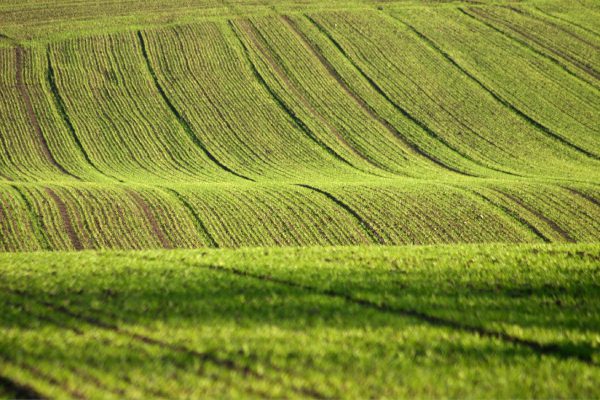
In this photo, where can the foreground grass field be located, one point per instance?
(349, 322)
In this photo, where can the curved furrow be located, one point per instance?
(498, 97)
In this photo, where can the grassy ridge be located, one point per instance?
(473, 319)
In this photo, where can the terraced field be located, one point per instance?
(129, 125)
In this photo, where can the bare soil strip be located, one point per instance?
(158, 232)
(201, 227)
(31, 113)
(68, 224)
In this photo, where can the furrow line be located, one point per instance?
(35, 221)
(182, 121)
(262, 44)
(143, 205)
(538, 214)
(22, 87)
(497, 96)
(371, 232)
(582, 195)
(511, 213)
(549, 349)
(201, 226)
(22, 391)
(62, 110)
(342, 83)
(481, 19)
(567, 21)
(201, 356)
(397, 107)
(68, 224)
(297, 120)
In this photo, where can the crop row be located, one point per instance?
(568, 107)
(61, 217)
(443, 98)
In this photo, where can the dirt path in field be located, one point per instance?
(367, 227)
(19, 390)
(22, 87)
(583, 195)
(68, 223)
(158, 232)
(564, 234)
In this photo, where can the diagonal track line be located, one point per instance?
(549, 349)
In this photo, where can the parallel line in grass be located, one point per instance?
(156, 229)
(566, 21)
(496, 95)
(201, 226)
(481, 19)
(582, 195)
(561, 232)
(551, 23)
(20, 390)
(368, 228)
(549, 349)
(49, 379)
(62, 111)
(39, 230)
(283, 106)
(67, 222)
(397, 107)
(362, 104)
(22, 87)
(180, 118)
(511, 213)
(201, 356)
(263, 46)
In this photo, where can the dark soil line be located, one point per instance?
(550, 349)
(497, 96)
(262, 45)
(400, 109)
(582, 195)
(482, 19)
(62, 110)
(22, 87)
(568, 22)
(551, 23)
(29, 392)
(564, 234)
(21, 391)
(143, 205)
(342, 83)
(68, 224)
(367, 227)
(283, 106)
(180, 118)
(35, 220)
(201, 356)
(201, 227)
(512, 214)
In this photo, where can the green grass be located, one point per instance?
(288, 130)
(477, 321)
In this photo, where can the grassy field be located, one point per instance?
(265, 159)
(497, 321)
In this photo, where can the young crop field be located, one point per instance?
(299, 198)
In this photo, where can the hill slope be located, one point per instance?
(196, 124)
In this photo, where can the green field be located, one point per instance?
(265, 159)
